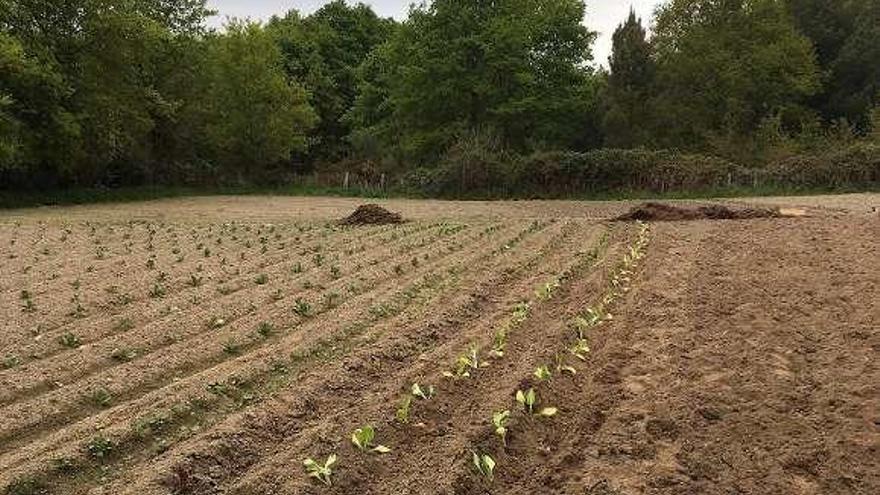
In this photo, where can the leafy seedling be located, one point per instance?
(402, 413)
(542, 373)
(499, 421)
(422, 393)
(580, 349)
(362, 438)
(485, 465)
(302, 308)
(561, 367)
(70, 340)
(321, 472)
(528, 398)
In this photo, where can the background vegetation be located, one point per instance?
(462, 98)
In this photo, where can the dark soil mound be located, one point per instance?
(371, 215)
(659, 212)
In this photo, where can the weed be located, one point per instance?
(322, 473)
(195, 281)
(99, 447)
(296, 268)
(157, 291)
(302, 308)
(123, 355)
(69, 340)
(265, 329)
(231, 347)
(362, 438)
(335, 272)
(262, 279)
(10, 361)
(485, 465)
(101, 398)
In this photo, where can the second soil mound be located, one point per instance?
(371, 215)
(659, 212)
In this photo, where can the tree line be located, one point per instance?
(128, 92)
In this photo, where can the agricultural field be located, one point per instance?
(240, 345)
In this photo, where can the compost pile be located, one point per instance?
(371, 215)
(659, 212)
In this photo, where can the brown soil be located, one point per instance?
(659, 212)
(371, 215)
(741, 357)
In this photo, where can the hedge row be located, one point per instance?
(570, 174)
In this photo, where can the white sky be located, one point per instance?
(602, 15)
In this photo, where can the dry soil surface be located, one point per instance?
(209, 345)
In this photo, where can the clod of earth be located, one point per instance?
(371, 215)
(659, 212)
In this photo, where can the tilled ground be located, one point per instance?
(208, 346)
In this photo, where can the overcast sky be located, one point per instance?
(602, 15)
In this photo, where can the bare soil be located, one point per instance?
(209, 345)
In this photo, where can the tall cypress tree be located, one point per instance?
(627, 121)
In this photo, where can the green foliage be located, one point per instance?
(484, 464)
(362, 438)
(321, 472)
(256, 115)
(499, 422)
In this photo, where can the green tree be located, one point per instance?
(324, 51)
(724, 66)
(514, 68)
(630, 86)
(257, 117)
(845, 35)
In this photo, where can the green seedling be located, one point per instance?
(362, 438)
(101, 398)
(231, 347)
(302, 308)
(262, 279)
(580, 349)
(10, 361)
(99, 448)
(466, 363)
(543, 373)
(322, 473)
(70, 340)
(545, 292)
(561, 367)
(485, 465)
(527, 400)
(265, 329)
(499, 343)
(421, 393)
(499, 421)
(402, 413)
(123, 355)
(195, 281)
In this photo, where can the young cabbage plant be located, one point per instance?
(528, 399)
(580, 349)
(485, 465)
(321, 472)
(499, 421)
(543, 373)
(499, 343)
(422, 393)
(561, 367)
(362, 438)
(402, 413)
